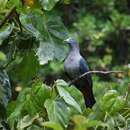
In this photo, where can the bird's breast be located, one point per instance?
(71, 66)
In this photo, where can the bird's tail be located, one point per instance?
(90, 101)
(87, 91)
(89, 97)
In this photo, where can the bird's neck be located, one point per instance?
(75, 48)
(74, 52)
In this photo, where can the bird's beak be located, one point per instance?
(67, 40)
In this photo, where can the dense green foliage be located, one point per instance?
(32, 50)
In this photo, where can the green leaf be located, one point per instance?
(119, 20)
(25, 41)
(34, 127)
(57, 111)
(45, 56)
(15, 115)
(29, 105)
(21, 100)
(50, 32)
(48, 4)
(68, 98)
(71, 95)
(41, 93)
(26, 121)
(17, 3)
(3, 4)
(5, 32)
(112, 102)
(82, 123)
(28, 68)
(2, 56)
(20, 104)
(128, 123)
(119, 120)
(57, 30)
(77, 95)
(5, 89)
(60, 82)
(53, 125)
(5, 95)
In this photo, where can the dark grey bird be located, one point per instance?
(74, 66)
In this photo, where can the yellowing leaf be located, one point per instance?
(3, 4)
(53, 125)
(112, 102)
(29, 3)
(2, 56)
(82, 123)
(67, 2)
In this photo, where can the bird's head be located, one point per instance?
(72, 42)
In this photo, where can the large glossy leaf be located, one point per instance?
(5, 89)
(68, 98)
(5, 95)
(5, 32)
(77, 95)
(40, 92)
(30, 101)
(25, 41)
(28, 67)
(45, 56)
(71, 95)
(57, 111)
(57, 30)
(48, 4)
(29, 105)
(50, 32)
(26, 121)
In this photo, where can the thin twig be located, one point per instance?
(93, 72)
(8, 15)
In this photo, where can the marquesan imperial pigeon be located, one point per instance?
(74, 66)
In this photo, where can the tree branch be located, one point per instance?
(93, 72)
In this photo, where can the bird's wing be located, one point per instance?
(83, 67)
(86, 83)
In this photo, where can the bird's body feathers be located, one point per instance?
(72, 65)
(75, 65)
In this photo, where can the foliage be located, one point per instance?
(42, 103)
(52, 106)
(32, 49)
